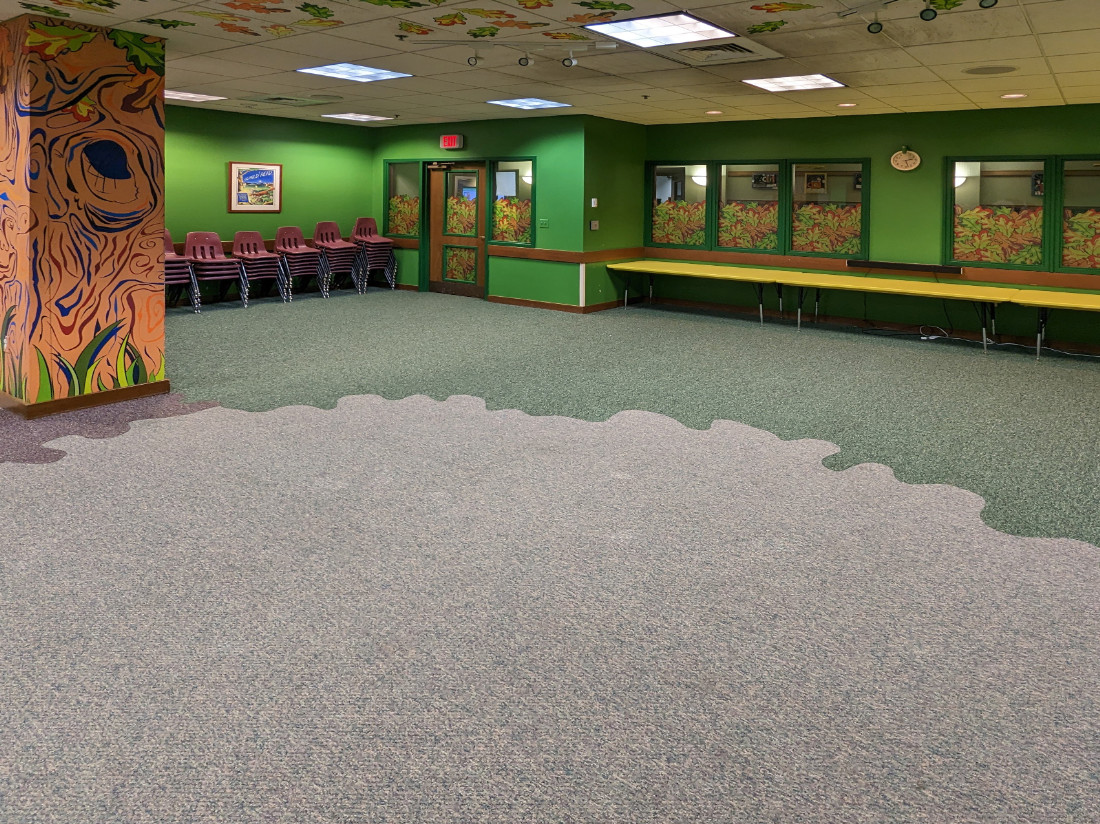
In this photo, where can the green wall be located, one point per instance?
(327, 169)
(614, 174)
(906, 208)
(556, 143)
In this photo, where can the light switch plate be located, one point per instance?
(595, 202)
(594, 225)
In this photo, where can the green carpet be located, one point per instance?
(1020, 433)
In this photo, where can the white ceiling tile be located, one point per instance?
(1079, 79)
(1005, 83)
(997, 51)
(1021, 68)
(1069, 42)
(1073, 63)
(1064, 15)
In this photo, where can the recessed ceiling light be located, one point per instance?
(192, 98)
(990, 70)
(1017, 96)
(529, 103)
(796, 83)
(352, 71)
(353, 116)
(664, 30)
(712, 111)
(846, 105)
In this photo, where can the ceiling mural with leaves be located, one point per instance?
(247, 51)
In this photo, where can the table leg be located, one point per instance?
(985, 343)
(817, 304)
(1041, 332)
(651, 287)
(993, 318)
(779, 292)
(801, 294)
(626, 290)
(760, 300)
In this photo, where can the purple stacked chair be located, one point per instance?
(340, 255)
(204, 251)
(300, 260)
(260, 264)
(375, 251)
(178, 272)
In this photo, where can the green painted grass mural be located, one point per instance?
(749, 224)
(1081, 238)
(680, 222)
(404, 215)
(999, 234)
(830, 228)
(512, 220)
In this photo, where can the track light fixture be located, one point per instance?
(472, 60)
(987, 4)
(874, 27)
(928, 13)
(525, 60)
(570, 61)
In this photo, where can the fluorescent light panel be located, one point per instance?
(353, 71)
(191, 97)
(354, 116)
(529, 103)
(665, 30)
(796, 83)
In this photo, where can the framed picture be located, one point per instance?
(1037, 184)
(815, 181)
(857, 180)
(255, 187)
(765, 180)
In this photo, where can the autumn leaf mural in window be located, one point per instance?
(1081, 238)
(512, 220)
(404, 215)
(680, 222)
(460, 263)
(461, 216)
(749, 225)
(999, 234)
(830, 228)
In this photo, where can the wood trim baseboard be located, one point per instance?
(536, 304)
(30, 411)
(563, 256)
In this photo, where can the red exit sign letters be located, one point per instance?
(450, 141)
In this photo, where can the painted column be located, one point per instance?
(81, 209)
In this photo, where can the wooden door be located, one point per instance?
(457, 208)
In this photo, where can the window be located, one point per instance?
(998, 212)
(1081, 214)
(679, 213)
(460, 208)
(827, 208)
(513, 201)
(748, 207)
(403, 206)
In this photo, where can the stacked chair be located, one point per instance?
(260, 264)
(300, 260)
(340, 256)
(203, 251)
(178, 272)
(375, 251)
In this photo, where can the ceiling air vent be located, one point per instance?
(282, 100)
(717, 52)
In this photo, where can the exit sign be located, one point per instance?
(450, 141)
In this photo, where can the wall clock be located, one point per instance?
(905, 160)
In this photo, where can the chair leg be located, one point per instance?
(323, 276)
(243, 276)
(196, 295)
(391, 270)
(284, 268)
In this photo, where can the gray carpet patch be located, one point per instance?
(425, 611)
(21, 441)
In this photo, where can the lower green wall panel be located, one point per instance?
(538, 280)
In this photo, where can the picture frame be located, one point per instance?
(765, 180)
(255, 187)
(816, 181)
(1037, 185)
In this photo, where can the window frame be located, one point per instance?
(864, 206)
(385, 230)
(491, 170)
(1059, 179)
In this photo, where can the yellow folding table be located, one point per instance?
(1044, 300)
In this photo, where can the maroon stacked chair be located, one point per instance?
(204, 251)
(375, 251)
(260, 264)
(178, 272)
(340, 255)
(300, 260)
